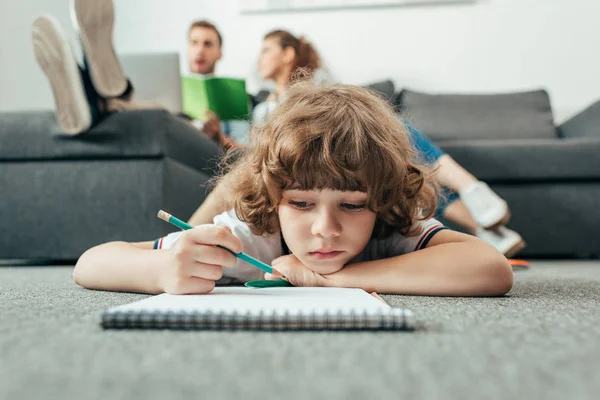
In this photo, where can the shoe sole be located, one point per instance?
(96, 21)
(519, 265)
(54, 55)
(504, 221)
(515, 249)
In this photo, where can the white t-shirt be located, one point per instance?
(260, 112)
(268, 247)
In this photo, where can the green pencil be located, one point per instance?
(242, 256)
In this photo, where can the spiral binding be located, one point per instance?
(273, 320)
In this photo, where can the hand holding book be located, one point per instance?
(226, 97)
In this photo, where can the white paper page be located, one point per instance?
(242, 300)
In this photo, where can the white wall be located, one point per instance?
(22, 84)
(489, 46)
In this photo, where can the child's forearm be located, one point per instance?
(452, 269)
(120, 266)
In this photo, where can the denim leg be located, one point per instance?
(447, 196)
(426, 148)
(430, 153)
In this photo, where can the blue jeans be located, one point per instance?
(430, 153)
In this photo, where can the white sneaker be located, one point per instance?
(55, 56)
(485, 206)
(94, 20)
(506, 241)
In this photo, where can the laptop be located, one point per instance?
(156, 77)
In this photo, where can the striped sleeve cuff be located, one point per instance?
(426, 237)
(158, 244)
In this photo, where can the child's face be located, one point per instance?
(325, 229)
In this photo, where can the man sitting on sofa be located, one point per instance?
(204, 51)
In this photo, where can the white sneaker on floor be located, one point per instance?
(485, 206)
(55, 56)
(94, 19)
(506, 241)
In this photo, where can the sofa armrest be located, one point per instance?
(584, 124)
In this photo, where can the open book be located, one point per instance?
(234, 308)
(226, 97)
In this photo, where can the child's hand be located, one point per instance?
(195, 263)
(295, 272)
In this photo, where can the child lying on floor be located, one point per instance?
(331, 193)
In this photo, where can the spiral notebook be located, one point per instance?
(242, 308)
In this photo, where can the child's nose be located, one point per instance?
(326, 225)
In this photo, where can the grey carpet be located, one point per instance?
(541, 341)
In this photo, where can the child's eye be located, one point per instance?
(299, 204)
(353, 207)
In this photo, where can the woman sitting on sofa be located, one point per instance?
(469, 203)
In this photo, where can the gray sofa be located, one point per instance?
(549, 175)
(62, 195)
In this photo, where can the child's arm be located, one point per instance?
(191, 266)
(452, 264)
(120, 266)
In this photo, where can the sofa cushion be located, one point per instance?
(479, 116)
(528, 160)
(386, 89)
(584, 124)
(130, 134)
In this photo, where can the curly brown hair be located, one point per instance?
(339, 137)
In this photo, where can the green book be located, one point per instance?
(226, 97)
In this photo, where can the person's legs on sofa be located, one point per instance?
(74, 112)
(485, 206)
(102, 74)
(468, 202)
(505, 240)
(94, 21)
(455, 211)
(83, 94)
